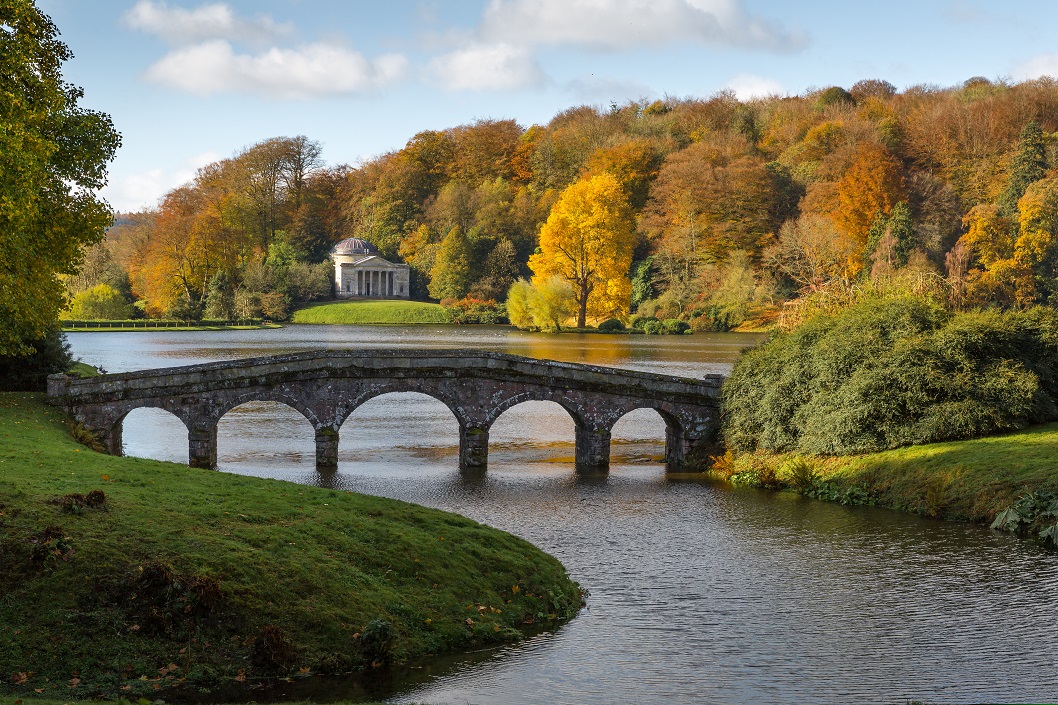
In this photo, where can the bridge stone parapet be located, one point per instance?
(326, 387)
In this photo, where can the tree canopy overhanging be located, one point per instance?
(53, 157)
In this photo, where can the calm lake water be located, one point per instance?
(698, 593)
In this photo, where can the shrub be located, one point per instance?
(611, 325)
(653, 327)
(675, 326)
(800, 474)
(29, 373)
(271, 652)
(472, 310)
(640, 322)
(376, 642)
(895, 372)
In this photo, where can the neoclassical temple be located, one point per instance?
(360, 273)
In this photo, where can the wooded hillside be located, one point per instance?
(736, 207)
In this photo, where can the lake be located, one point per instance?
(698, 592)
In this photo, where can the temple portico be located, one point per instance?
(359, 272)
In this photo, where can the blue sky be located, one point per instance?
(191, 81)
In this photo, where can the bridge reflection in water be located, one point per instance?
(326, 387)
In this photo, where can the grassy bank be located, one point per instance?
(372, 312)
(111, 326)
(123, 576)
(963, 480)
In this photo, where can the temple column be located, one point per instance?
(593, 449)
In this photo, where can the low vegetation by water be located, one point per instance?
(124, 576)
(974, 480)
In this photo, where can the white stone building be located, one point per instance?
(360, 273)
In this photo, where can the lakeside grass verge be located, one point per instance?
(960, 480)
(123, 577)
(122, 326)
(372, 312)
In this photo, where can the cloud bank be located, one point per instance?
(618, 25)
(502, 51)
(205, 59)
(177, 25)
(486, 67)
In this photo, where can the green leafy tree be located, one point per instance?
(545, 304)
(53, 156)
(452, 274)
(100, 303)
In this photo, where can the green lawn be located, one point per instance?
(174, 575)
(971, 480)
(965, 480)
(372, 312)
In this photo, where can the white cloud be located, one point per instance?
(747, 86)
(145, 189)
(627, 24)
(1042, 65)
(486, 67)
(594, 89)
(215, 21)
(310, 71)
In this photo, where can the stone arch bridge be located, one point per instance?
(326, 387)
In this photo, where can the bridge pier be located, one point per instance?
(677, 446)
(593, 449)
(326, 450)
(473, 446)
(202, 448)
(112, 439)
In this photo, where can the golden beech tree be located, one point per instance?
(588, 241)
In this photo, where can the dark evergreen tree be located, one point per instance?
(1028, 166)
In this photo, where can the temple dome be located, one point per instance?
(354, 246)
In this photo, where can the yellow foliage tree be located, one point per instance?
(588, 241)
(1020, 263)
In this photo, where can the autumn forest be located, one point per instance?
(717, 212)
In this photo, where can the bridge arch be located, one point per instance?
(228, 404)
(348, 405)
(527, 422)
(276, 429)
(142, 413)
(392, 421)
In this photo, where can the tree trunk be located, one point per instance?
(582, 305)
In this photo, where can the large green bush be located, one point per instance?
(29, 373)
(890, 373)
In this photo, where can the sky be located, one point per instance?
(188, 82)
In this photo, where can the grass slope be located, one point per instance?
(372, 312)
(963, 480)
(198, 577)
